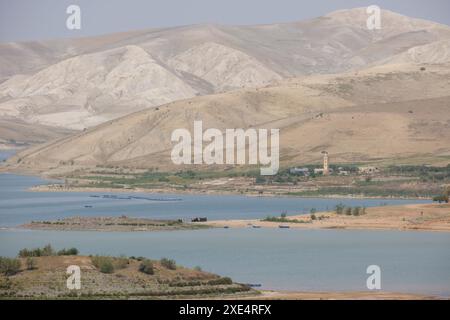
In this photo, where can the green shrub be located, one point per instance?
(30, 253)
(37, 252)
(168, 264)
(348, 211)
(108, 264)
(5, 284)
(107, 267)
(220, 281)
(260, 180)
(340, 209)
(356, 211)
(441, 198)
(9, 266)
(104, 264)
(313, 217)
(282, 220)
(48, 251)
(31, 263)
(68, 252)
(146, 266)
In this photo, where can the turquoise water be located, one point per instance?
(18, 206)
(284, 259)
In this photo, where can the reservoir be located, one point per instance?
(279, 259)
(18, 206)
(282, 259)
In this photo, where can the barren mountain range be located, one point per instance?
(366, 95)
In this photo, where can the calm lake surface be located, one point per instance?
(18, 206)
(283, 259)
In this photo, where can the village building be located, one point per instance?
(343, 172)
(368, 170)
(299, 171)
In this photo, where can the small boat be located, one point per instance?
(87, 206)
(283, 227)
(226, 227)
(257, 227)
(254, 285)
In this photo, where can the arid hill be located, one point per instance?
(389, 112)
(16, 133)
(80, 83)
(113, 278)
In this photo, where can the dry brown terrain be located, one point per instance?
(16, 133)
(385, 113)
(48, 281)
(424, 217)
(418, 217)
(84, 82)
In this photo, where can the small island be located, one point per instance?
(122, 223)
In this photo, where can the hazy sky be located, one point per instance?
(44, 19)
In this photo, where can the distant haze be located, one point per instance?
(22, 20)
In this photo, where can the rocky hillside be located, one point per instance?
(388, 112)
(80, 83)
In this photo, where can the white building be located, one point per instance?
(368, 170)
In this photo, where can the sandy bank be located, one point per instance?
(210, 191)
(363, 295)
(425, 217)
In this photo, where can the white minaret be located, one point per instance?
(326, 171)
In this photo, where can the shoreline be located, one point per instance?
(338, 295)
(49, 188)
(416, 217)
(191, 191)
(413, 217)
